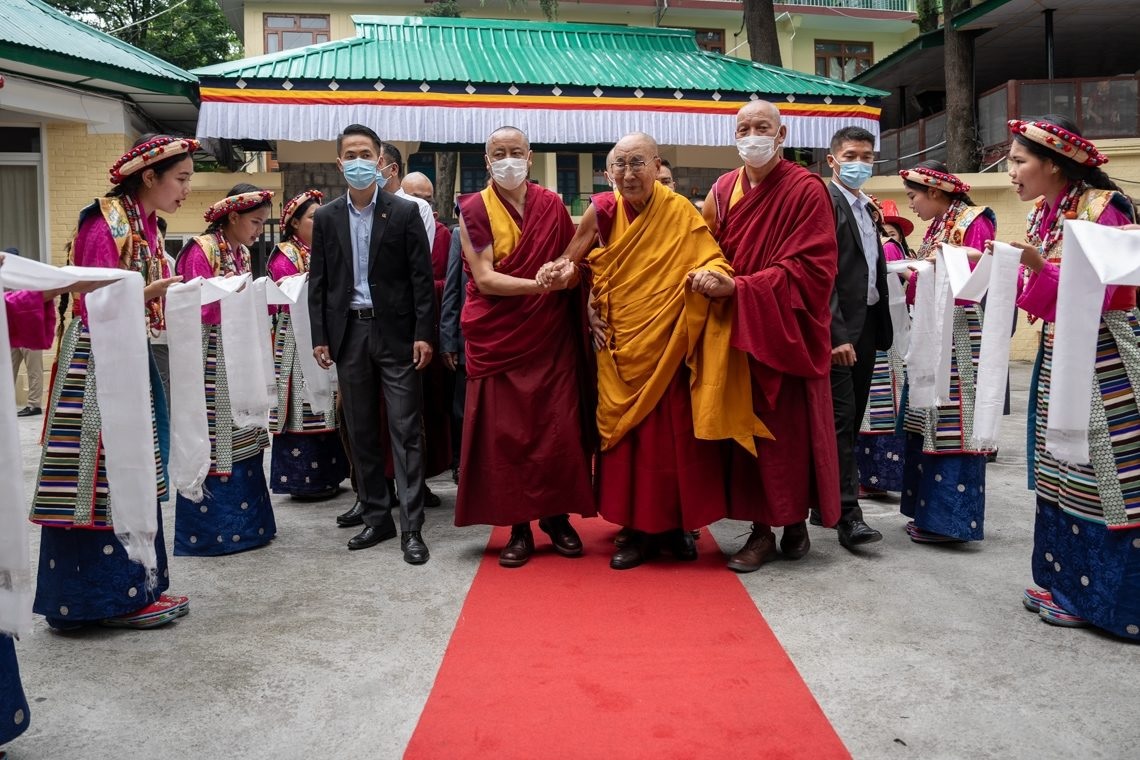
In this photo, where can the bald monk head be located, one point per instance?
(759, 118)
(509, 158)
(635, 166)
(419, 186)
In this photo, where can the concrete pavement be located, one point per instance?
(303, 649)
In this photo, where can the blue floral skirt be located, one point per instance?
(1092, 572)
(234, 515)
(85, 576)
(303, 464)
(14, 715)
(944, 493)
(880, 459)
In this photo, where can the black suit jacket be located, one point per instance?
(849, 298)
(454, 296)
(399, 275)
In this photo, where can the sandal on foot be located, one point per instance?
(1054, 615)
(1033, 598)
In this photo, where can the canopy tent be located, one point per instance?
(454, 80)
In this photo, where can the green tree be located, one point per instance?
(187, 33)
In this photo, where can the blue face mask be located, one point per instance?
(360, 173)
(854, 174)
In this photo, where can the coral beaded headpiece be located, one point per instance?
(237, 203)
(947, 183)
(150, 152)
(296, 202)
(1060, 140)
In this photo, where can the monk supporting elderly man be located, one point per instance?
(526, 446)
(775, 223)
(670, 386)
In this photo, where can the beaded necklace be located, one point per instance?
(1066, 209)
(229, 261)
(940, 229)
(141, 259)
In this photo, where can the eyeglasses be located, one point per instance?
(620, 166)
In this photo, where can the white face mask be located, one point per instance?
(509, 172)
(756, 150)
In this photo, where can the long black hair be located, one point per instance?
(1093, 176)
(937, 166)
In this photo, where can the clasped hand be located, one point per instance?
(556, 275)
(711, 284)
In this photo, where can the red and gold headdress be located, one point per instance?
(947, 183)
(1060, 140)
(150, 152)
(296, 202)
(238, 203)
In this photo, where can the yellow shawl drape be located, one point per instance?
(655, 322)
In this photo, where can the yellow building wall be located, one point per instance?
(207, 188)
(797, 32)
(77, 165)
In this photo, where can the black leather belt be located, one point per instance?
(362, 313)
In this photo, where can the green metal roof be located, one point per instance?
(35, 35)
(396, 48)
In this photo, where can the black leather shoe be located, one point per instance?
(680, 544)
(562, 535)
(430, 499)
(815, 518)
(29, 411)
(519, 548)
(795, 542)
(371, 536)
(352, 517)
(854, 533)
(639, 548)
(415, 550)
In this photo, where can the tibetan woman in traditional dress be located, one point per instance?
(235, 513)
(1086, 540)
(944, 476)
(308, 460)
(880, 447)
(85, 575)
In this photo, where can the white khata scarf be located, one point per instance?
(1093, 256)
(249, 360)
(316, 383)
(122, 371)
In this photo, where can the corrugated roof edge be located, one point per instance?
(169, 70)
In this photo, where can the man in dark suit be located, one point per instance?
(451, 340)
(370, 304)
(860, 316)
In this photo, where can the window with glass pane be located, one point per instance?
(472, 172)
(1108, 108)
(288, 32)
(842, 60)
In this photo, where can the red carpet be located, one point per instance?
(566, 658)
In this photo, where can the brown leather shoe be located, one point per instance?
(639, 548)
(758, 549)
(562, 535)
(795, 542)
(519, 547)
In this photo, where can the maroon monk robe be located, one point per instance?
(780, 238)
(525, 454)
(660, 476)
(438, 381)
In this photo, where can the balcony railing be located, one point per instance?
(898, 6)
(1101, 107)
